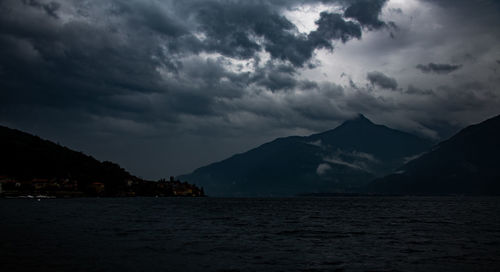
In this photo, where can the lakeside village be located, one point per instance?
(68, 188)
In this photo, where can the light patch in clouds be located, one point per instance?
(344, 163)
(317, 143)
(305, 16)
(411, 158)
(323, 168)
(231, 64)
(363, 155)
(352, 159)
(405, 6)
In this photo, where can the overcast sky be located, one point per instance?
(164, 86)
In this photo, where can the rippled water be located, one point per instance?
(211, 234)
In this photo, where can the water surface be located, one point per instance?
(222, 234)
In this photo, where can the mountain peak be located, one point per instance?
(359, 118)
(338, 160)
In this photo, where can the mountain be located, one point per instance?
(30, 165)
(339, 160)
(26, 157)
(465, 164)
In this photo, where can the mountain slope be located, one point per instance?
(338, 160)
(467, 163)
(26, 157)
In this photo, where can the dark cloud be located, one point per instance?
(438, 68)
(299, 49)
(414, 90)
(50, 8)
(332, 26)
(277, 81)
(469, 6)
(115, 74)
(396, 10)
(148, 16)
(307, 85)
(367, 12)
(92, 68)
(230, 29)
(468, 96)
(381, 80)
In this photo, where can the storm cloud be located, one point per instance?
(50, 8)
(438, 68)
(381, 80)
(230, 29)
(178, 84)
(366, 12)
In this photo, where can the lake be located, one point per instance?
(251, 234)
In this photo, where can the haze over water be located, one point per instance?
(287, 234)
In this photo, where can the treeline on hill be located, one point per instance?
(30, 163)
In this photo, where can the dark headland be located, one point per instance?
(31, 166)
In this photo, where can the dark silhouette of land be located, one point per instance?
(356, 158)
(466, 164)
(340, 160)
(30, 165)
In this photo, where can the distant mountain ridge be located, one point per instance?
(339, 160)
(467, 164)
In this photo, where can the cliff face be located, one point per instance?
(467, 164)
